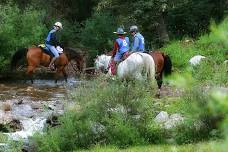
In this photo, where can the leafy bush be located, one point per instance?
(218, 104)
(122, 115)
(209, 72)
(18, 29)
(97, 34)
(212, 45)
(180, 53)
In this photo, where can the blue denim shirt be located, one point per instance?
(138, 43)
(51, 38)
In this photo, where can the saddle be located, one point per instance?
(46, 50)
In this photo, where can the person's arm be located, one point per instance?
(115, 48)
(54, 39)
(135, 44)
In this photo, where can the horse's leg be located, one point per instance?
(57, 74)
(138, 76)
(60, 70)
(159, 79)
(64, 74)
(29, 72)
(80, 65)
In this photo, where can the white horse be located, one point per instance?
(135, 66)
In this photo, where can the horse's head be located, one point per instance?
(99, 66)
(101, 63)
(76, 55)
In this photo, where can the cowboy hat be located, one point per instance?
(120, 31)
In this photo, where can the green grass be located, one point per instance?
(199, 147)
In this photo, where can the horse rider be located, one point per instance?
(138, 44)
(52, 42)
(120, 49)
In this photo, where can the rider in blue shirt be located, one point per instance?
(120, 49)
(51, 42)
(138, 44)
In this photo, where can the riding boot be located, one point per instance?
(113, 67)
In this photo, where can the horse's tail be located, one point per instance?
(18, 55)
(167, 64)
(150, 66)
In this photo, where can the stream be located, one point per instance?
(26, 108)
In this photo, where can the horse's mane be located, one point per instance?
(103, 56)
(75, 53)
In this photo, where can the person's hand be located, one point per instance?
(60, 50)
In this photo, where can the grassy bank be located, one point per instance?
(114, 113)
(200, 147)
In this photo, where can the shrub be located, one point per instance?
(97, 34)
(123, 114)
(18, 29)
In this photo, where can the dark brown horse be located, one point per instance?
(163, 66)
(78, 55)
(35, 57)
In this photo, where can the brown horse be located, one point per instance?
(163, 66)
(36, 57)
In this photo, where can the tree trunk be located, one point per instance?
(162, 30)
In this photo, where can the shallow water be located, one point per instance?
(30, 105)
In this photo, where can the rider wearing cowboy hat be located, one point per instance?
(138, 40)
(120, 49)
(52, 43)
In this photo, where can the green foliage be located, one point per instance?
(11, 146)
(195, 21)
(98, 34)
(120, 114)
(3, 137)
(218, 105)
(159, 19)
(52, 140)
(109, 117)
(18, 29)
(211, 73)
(180, 53)
(69, 34)
(199, 147)
(213, 46)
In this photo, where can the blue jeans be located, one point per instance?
(53, 50)
(118, 56)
